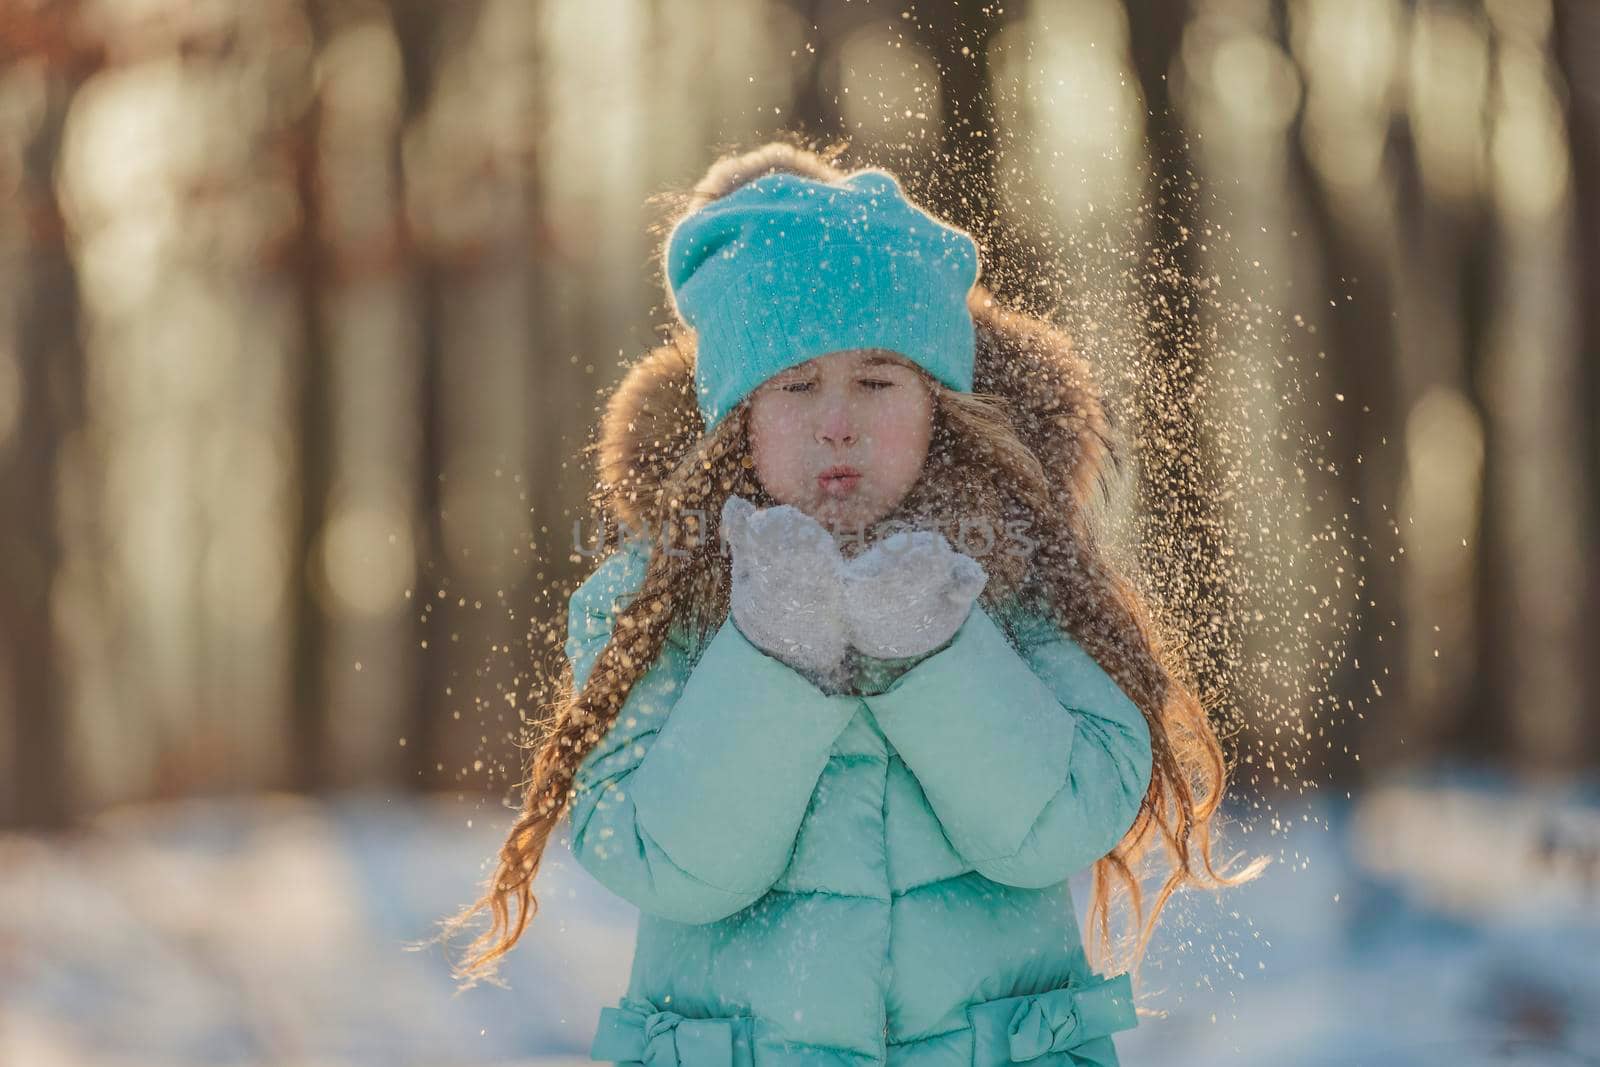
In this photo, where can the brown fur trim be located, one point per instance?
(650, 423)
(1058, 408)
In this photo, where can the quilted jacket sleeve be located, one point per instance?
(1035, 762)
(690, 805)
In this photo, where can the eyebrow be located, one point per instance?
(866, 361)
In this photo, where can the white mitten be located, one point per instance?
(908, 594)
(786, 596)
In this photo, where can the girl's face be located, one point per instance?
(843, 436)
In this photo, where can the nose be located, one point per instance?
(836, 426)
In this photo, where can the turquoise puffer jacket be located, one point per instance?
(841, 881)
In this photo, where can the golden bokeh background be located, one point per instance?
(308, 306)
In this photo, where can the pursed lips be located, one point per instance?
(838, 479)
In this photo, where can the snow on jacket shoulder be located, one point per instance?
(861, 880)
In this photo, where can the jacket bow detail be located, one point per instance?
(633, 1034)
(1058, 1020)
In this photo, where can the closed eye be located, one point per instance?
(874, 384)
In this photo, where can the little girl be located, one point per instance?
(843, 763)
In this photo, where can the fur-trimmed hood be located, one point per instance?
(1056, 407)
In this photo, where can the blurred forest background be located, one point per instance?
(308, 306)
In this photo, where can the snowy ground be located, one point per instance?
(1450, 920)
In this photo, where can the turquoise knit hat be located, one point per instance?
(785, 269)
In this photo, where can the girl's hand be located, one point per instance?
(786, 597)
(908, 594)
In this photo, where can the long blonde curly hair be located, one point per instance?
(986, 457)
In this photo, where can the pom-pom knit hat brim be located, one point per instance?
(786, 268)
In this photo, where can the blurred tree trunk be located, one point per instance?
(1365, 433)
(1180, 548)
(416, 25)
(815, 109)
(1577, 46)
(1458, 243)
(962, 185)
(309, 743)
(35, 790)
